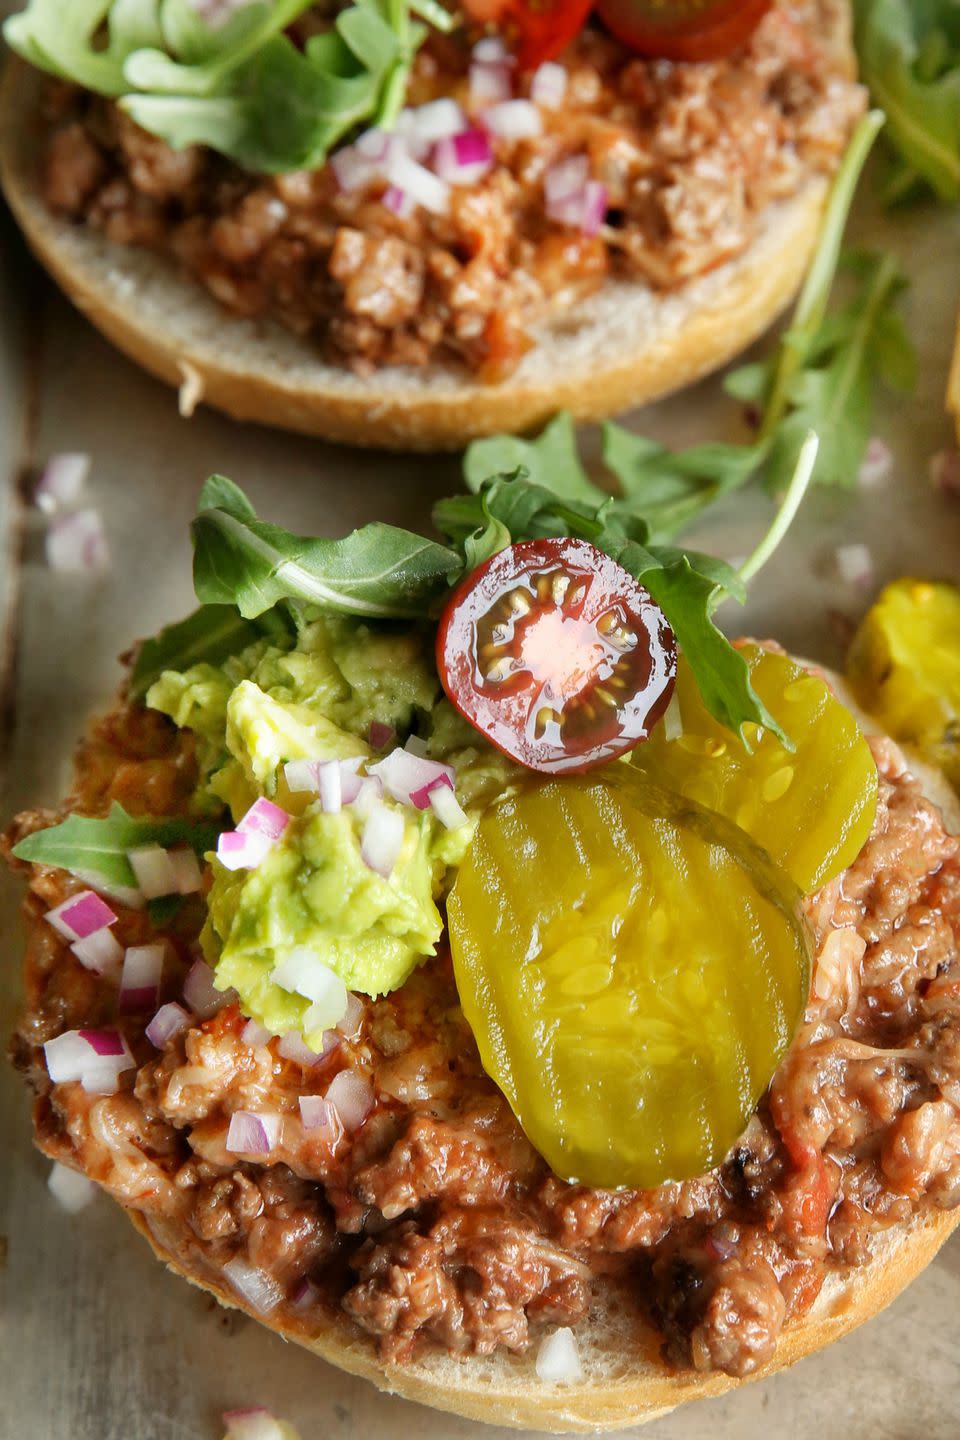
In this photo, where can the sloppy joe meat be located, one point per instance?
(691, 156)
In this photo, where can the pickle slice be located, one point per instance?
(811, 810)
(633, 969)
(904, 667)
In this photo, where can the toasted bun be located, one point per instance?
(625, 1382)
(621, 347)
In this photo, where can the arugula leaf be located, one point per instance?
(379, 571)
(99, 846)
(211, 634)
(241, 88)
(550, 460)
(910, 58)
(670, 488)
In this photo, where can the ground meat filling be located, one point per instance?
(691, 155)
(435, 1222)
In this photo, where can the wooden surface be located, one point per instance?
(96, 1343)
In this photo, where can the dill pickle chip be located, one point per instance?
(904, 667)
(633, 968)
(811, 810)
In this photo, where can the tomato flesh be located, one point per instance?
(540, 29)
(683, 29)
(557, 655)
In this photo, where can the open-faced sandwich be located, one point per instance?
(391, 223)
(463, 959)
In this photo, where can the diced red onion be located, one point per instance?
(352, 1096)
(492, 51)
(380, 735)
(558, 1359)
(301, 776)
(595, 201)
(305, 1294)
(264, 818)
(320, 1115)
(416, 746)
(672, 719)
(101, 1079)
(140, 980)
(382, 840)
(186, 870)
(254, 1034)
(463, 159)
(303, 973)
(513, 120)
(81, 915)
(255, 1424)
(854, 565)
(73, 1189)
(237, 850)
(154, 872)
(255, 1286)
(420, 184)
(100, 952)
(446, 806)
(330, 787)
(374, 145)
(106, 1044)
(94, 1057)
(405, 774)
(548, 85)
(77, 542)
(572, 198)
(437, 120)
(490, 84)
(62, 482)
(252, 1134)
(421, 799)
(352, 170)
(368, 795)
(170, 1020)
(405, 128)
(877, 464)
(293, 1047)
(352, 1022)
(397, 201)
(201, 994)
(944, 471)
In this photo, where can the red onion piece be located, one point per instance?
(445, 805)
(463, 159)
(368, 795)
(255, 1035)
(877, 464)
(94, 1057)
(548, 85)
(77, 543)
(81, 915)
(154, 872)
(264, 818)
(303, 973)
(352, 1096)
(292, 1046)
(436, 120)
(321, 1118)
(170, 1020)
(421, 799)
(492, 51)
(380, 735)
(305, 1294)
(352, 1022)
(259, 1290)
(62, 482)
(420, 184)
(854, 565)
(106, 1044)
(352, 170)
(490, 84)
(382, 840)
(330, 786)
(186, 871)
(252, 1134)
(201, 994)
(67, 1056)
(140, 981)
(558, 1359)
(513, 120)
(415, 745)
(73, 1189)
(404, 774)
(242, 851)
(594, 207)
(100, 952)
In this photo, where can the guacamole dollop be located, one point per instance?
(317, 700)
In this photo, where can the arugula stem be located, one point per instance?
(799, 484)
(812, 304)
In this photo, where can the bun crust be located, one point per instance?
(625, 1382)
(623, 346)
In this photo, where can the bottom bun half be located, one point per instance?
(623, 346)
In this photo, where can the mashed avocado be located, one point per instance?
(317, 700)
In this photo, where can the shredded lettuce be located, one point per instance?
(243, 88)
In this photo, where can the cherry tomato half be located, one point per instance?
(683, 29)
(557, 655)
(540, 29)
